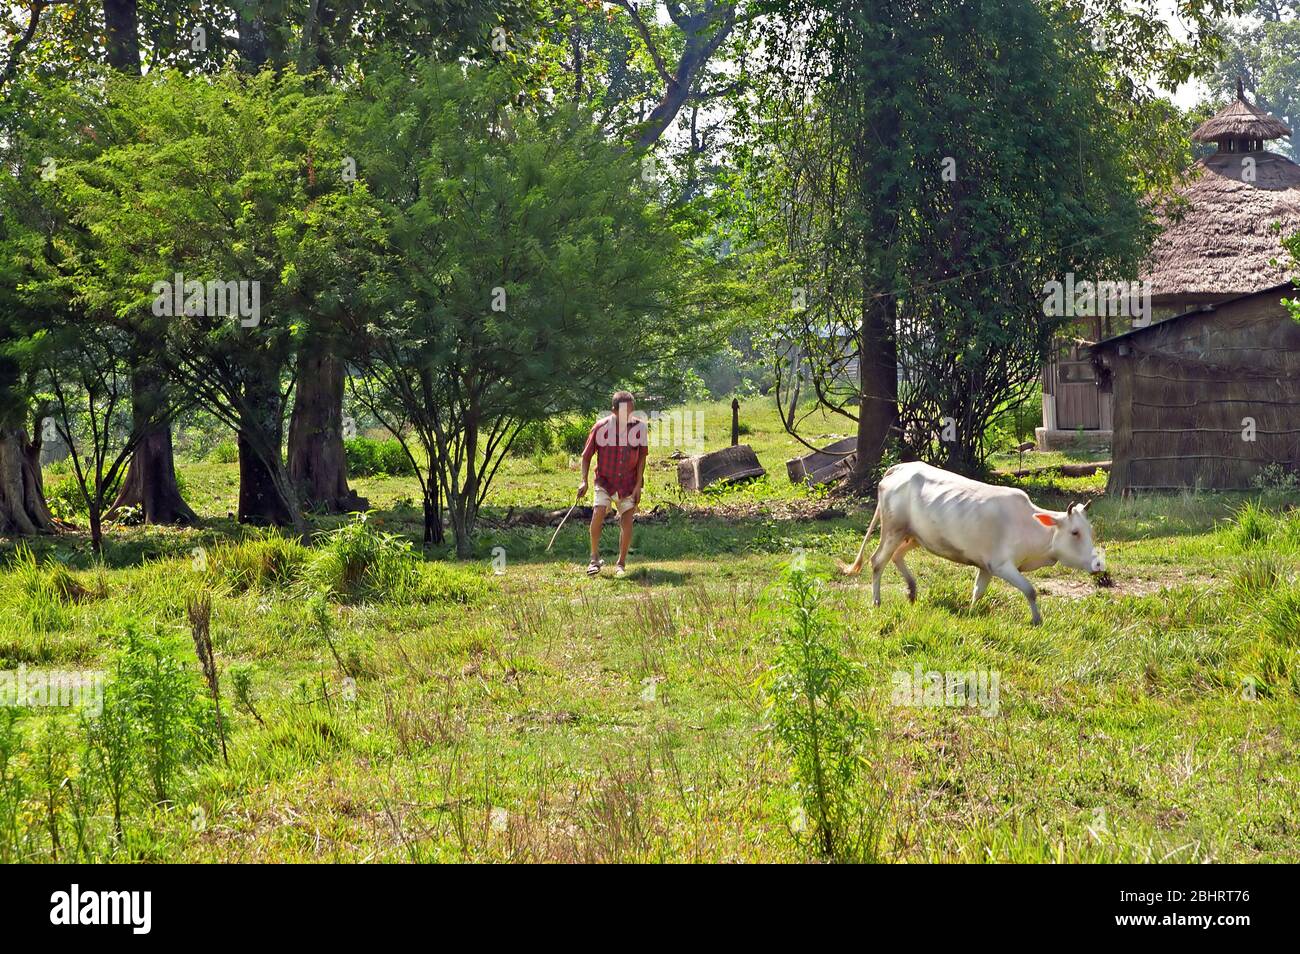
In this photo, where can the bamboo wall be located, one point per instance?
(1182, 391)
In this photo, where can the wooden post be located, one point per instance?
(735, 421)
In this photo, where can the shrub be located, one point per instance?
(534, 439)
(571, 433)
(358, 562)
(167, 709)
(1252, 525)
(1276, 476)
(47, 588)
(266, 561)
(371, 458)
(12, 787)
(224, 452)
(809, 693)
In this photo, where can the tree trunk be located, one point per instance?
(878, 380)
(266, 492)
(23, 510)
(433, 532)
(252, 42)
(260, 501)
(150, 481)
(317, 463)
(121, 29)
(96, 531)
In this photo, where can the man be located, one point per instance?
(620, 446)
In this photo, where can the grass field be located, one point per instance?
(509, 708)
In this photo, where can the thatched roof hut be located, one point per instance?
(1240, 120)
(1220, 237)
(1208, 394)
(1207, 399)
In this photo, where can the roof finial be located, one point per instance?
(1241, 94)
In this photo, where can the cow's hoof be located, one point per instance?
(911, 596)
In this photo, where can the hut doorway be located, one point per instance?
(1078, 400)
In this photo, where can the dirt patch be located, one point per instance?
(724, 512)
(1140, 584)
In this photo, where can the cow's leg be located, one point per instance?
(890, 540)
(907, 546)
(1008, 572)
(981, 584)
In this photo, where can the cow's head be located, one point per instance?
(1072, 539)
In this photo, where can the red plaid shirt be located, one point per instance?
(618, 455)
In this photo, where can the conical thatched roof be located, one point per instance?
(1221, 241)
(1240, 120)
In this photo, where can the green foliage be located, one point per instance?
(557, 276)
(1276, 476)
(12, 785)
(170, 710)
(988, 142)
(534, 438)
(46, 589)
(572, 433)
(263, 561)
(224, 452)
(1252, 525)
(371, 458)
(811, 691)
(356, 562)
(137, 745)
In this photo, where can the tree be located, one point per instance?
(23, 509)
(526, 271)
(1264, 54)
(209, 209)
(919, 219)
(331, 36)
(90, 388)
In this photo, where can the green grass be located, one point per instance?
(534, 714)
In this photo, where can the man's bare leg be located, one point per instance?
(597, 524)
(625, 535)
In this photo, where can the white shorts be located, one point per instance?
(601, 498)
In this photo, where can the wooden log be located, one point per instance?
(728, 465)
(836, 471)
(801, 469)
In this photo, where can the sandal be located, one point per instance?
(594, 567)
(620, 570)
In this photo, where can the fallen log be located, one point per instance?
(830, 463)
(729, 465)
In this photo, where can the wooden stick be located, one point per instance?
(557, 529)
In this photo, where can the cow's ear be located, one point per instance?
(1046, 519)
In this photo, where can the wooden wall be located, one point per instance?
(1182, 391)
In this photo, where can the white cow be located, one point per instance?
(996, 529)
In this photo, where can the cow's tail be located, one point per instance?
(856, 568)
